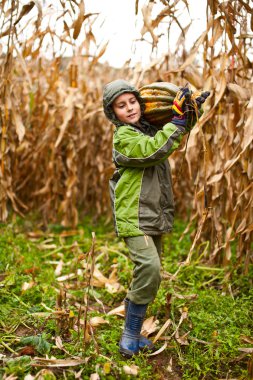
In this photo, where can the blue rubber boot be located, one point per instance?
(129, 342)
(144, 343)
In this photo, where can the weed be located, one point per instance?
(210, 308)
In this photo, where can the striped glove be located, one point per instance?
(200, 97)
(178, 106)
(194, 110)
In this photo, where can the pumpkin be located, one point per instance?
(158, 99)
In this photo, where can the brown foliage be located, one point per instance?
(55, 154)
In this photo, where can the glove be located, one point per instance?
(199, 97)
(178, 106)
(194, 110)
(179, 101)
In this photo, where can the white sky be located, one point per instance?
(121, 27)
(116, 23)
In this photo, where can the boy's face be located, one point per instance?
(127, 108)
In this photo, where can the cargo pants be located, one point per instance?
(145, 252)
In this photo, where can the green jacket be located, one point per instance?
(141, 187)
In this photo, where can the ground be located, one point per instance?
(59, 290)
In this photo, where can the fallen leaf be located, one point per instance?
(149, 326)
(39, 342)
(35, 234)
(27, 285)
(31, 270)
(58, 342)
(248, 350)
(28, 350)
(81, 257)
(41, 362)
(42, 314)
(78, 375)
(182, 340)
(162, 330)
(169, 368)
(120, 310)
(131, 370)
(94, 376)
(29, 377)
(96, 321)
(247, 339)
(107, 368)
(45, 374)
(59, 267)
(186, 297)
(99, 280)
(114, 288)
(47, 246)
(161, 349)
(70, 276)
(113, 276)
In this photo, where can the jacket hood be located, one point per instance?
(111, 91)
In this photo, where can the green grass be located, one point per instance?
(210, 307)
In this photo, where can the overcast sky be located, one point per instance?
(116, 23)
(121, 27)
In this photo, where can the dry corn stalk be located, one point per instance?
(55, 154)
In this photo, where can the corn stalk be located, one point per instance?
(55, 155)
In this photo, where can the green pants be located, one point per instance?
(145, 254)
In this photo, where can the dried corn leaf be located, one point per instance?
(120, 310)
(240, 92)
(150, 325)
(78, 23)
(161, 349)
(96, 321)
(41, 362)
(162, 330)
(131, 370)
(62, 164)
(24, 11)
(20, 128)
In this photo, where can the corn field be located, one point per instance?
(55, 157)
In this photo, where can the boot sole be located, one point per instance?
(127, 354)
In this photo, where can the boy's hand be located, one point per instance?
(200, 97)
(179, 101)
(178, 107)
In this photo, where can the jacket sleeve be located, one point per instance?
(135, 149)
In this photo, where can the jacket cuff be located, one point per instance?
(180, 122)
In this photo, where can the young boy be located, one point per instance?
(141, 195)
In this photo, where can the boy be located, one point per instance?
(141, 194)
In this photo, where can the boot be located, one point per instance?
(129, 343)
(144, 343)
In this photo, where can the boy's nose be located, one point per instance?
(129, 106)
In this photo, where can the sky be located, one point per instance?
(121, 27)
(117, 24)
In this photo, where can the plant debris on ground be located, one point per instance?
(61, 308)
